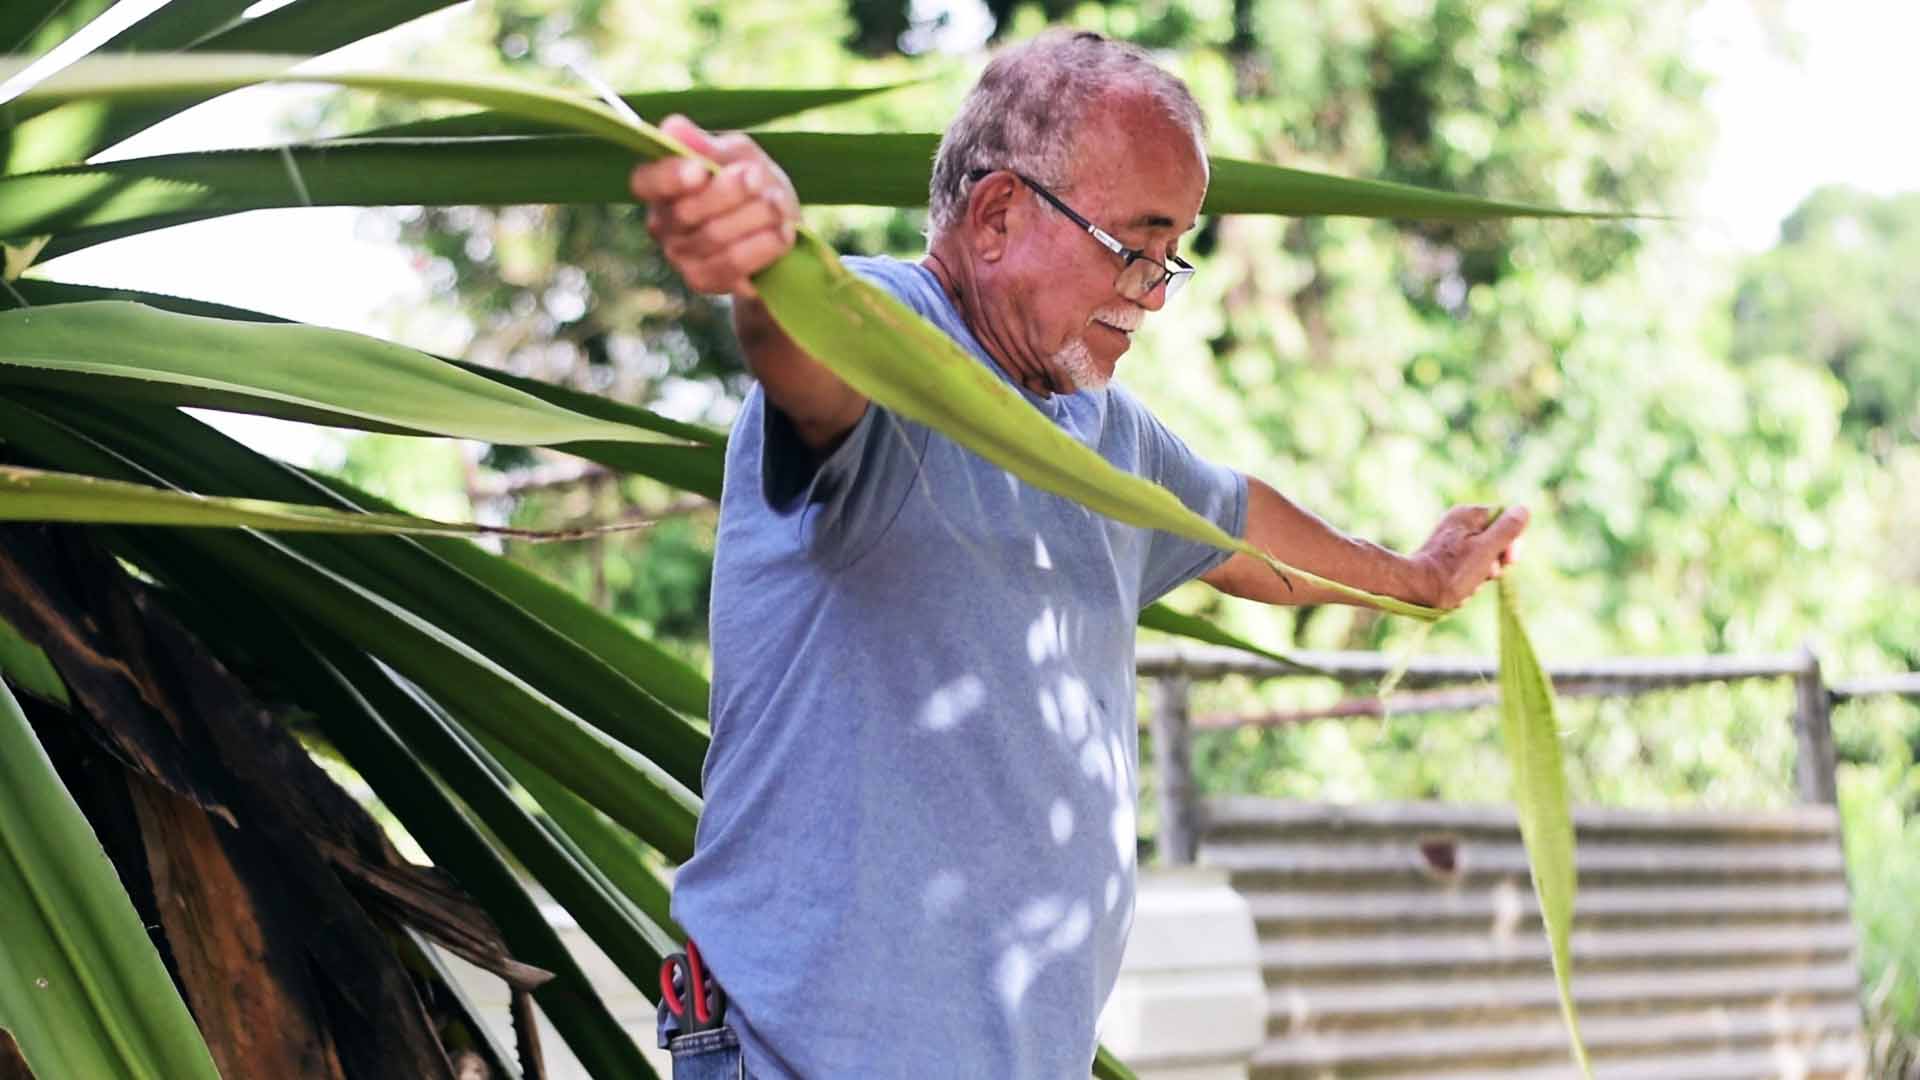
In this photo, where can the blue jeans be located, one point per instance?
(708, 1055)
(703, 1055)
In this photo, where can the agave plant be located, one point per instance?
(178, 599)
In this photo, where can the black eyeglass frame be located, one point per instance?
(1173, 277)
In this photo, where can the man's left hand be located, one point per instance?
(1466, 551)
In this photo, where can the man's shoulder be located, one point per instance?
(886, 271)
(907, 282)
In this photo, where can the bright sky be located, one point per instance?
(1817, 107)
(1831, 113)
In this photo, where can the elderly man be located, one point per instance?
(916, 858)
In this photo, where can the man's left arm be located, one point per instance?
(1464, 552)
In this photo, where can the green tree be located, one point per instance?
(1831, 294)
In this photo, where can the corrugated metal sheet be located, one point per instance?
(1402, 940)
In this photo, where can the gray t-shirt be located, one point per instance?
(917, 854)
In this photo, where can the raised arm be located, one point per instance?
(720, 229)
(1463, 553)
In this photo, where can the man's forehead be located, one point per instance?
(1148, 165)
(1156, 202)
(1154, 220)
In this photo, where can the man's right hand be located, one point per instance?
(718, 229)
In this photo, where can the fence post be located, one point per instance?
(1173, 766)
(1813, 729)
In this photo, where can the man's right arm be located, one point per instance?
(822, 408)
(720, 229)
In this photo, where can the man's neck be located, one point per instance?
(954, 271)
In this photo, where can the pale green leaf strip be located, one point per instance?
(1531, 731)
(329, 370)
(81, 987)
(37, 495)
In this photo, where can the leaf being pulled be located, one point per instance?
(1531, 731)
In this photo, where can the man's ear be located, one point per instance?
(990, 208)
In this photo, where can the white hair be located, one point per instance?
(1030, 106)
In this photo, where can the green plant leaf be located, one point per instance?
(81, 988)
(63, 134)
(695, 465)
(1108, 1067)
(1531, 732)
(650, 667)
(895, 168)
(31, 27)
(1251, 187)
(1168, 621)
(711, 107)
(326, 370)
(602, 675)
(306, 659)
(26, 666)
(608, 848)
(167, 78)
(633, 790)
(472, 772)
(88, 204)
(38, 495)
(393, 769)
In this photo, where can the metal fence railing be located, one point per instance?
(1446, 684)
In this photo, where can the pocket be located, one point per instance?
(708, 1055)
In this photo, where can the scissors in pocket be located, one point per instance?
(704, 1004)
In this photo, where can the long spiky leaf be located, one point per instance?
(309, 367)
(42, 496)
(81, 988)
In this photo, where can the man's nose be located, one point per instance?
(1155, 298)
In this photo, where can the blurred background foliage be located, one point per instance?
(1722, 457)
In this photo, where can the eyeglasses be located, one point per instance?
(1140, 273)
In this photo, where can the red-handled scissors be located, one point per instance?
(705, 1004)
